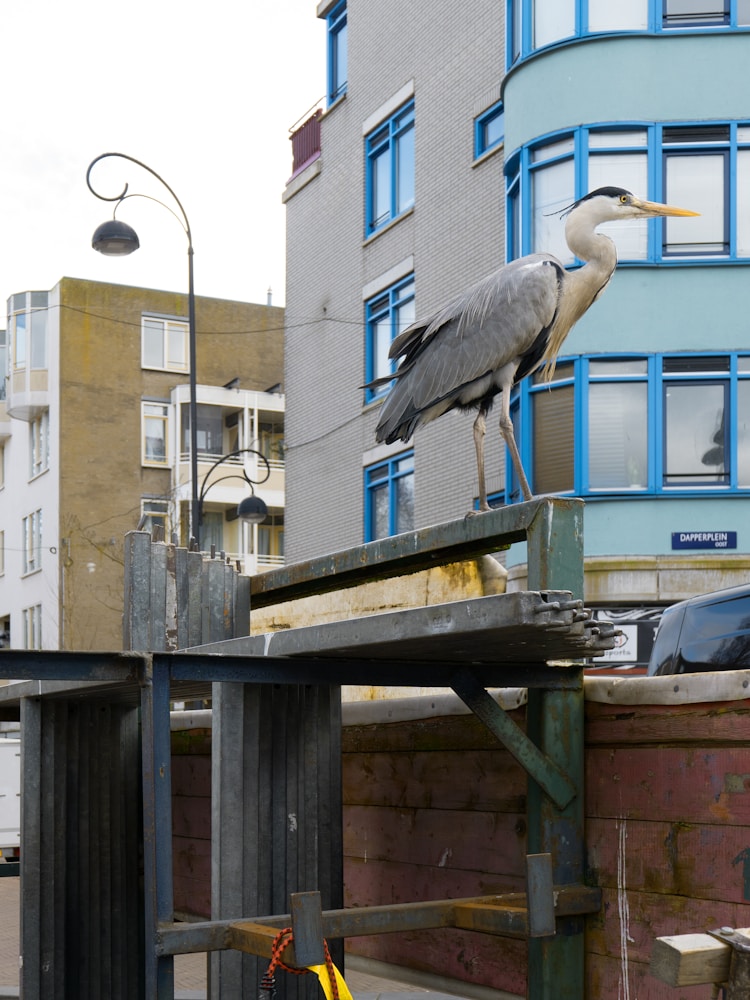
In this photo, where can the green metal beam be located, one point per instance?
(452, 541)
(537, 765)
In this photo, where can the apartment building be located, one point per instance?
(95, 442)
(448, 145)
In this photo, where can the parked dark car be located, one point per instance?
(708, 632)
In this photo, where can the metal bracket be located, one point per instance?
(738, 984)
(540, 895)
(512, 914)
(537, 765)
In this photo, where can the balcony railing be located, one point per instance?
(251, 562)
(306, 142)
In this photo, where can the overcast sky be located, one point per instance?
(204, 93)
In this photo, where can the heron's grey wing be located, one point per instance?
(495, 323)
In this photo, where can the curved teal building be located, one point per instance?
(648, 416)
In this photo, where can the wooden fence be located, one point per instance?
(433, 809)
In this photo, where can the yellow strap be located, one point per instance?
(321, 971)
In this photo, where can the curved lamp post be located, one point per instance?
(252, 509)
(115, 238)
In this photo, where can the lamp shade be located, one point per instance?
(115, 239)
(252, 509)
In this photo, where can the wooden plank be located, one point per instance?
(191, 775)
(191, 817)
(479, 841)
(372, 883)
(467, 956)
(697, 724)
(458, 732)
(630, 921)
(676, 784)
(476, 780)
(690, 959)
(621, 977)
(687, 859)
(192, 897)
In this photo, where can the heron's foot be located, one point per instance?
(475, 512)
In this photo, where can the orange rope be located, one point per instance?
(280, 942)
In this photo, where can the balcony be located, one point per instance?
(305, 143)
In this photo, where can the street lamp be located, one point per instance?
(252, 509)
(115, 238)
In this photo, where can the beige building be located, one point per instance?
(94, 441)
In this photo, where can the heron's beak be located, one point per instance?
(654, 208)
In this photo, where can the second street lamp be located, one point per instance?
(115, 238)
(251, 509)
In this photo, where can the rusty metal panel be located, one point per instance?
(526, 627)
(436, 545)
(137, 608)
(82, 898)
(276, 813)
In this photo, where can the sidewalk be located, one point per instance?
(190, 970)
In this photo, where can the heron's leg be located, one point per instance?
(506, 429)
(480, 429)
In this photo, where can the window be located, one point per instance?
(3, 363)
(210, 433)
(489, 129)
(689, 166)
(39, 445)
(693, 13)
(27, 322)
(165, 344)
(212, 531)
(155, 422)
(31, 528)
(534, 24)
(696, 167)
(389, 497)
(386, 315)
(655, 425)
(390, 169)
(38, 339)
(271, 542)
(155, 515)
(19, 340)
(31, 619)
(337, 52)
(271, 441)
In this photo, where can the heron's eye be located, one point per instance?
(623, 199)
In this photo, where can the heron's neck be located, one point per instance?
(597, 250)
(600, 257)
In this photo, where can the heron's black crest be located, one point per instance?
(604, 192)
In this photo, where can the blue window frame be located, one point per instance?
(535, 24)
(337, 52)
(638, 424)
(389, 497)
(389, 152)
(702, 166)
(386, 315)
(489, 129)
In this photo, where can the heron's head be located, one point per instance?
(610, 203)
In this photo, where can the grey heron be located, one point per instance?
(504, 327)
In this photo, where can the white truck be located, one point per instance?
(10, 806)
